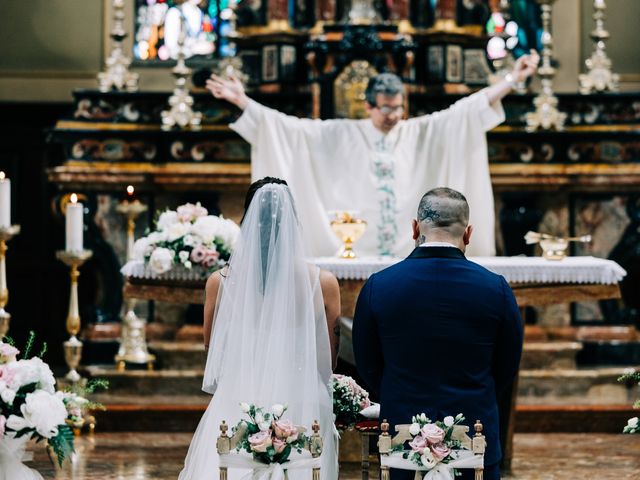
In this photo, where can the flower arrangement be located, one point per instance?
(267, 436)
(187, 236)
(633, 424)
(30, 408)
(432, 442)
(349, 399)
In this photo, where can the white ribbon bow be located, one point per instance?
(12, 454)
(441, 471)
(263, 471)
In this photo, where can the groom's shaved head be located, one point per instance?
(443, 209)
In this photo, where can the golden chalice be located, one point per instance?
(553, 248)
(348, 229)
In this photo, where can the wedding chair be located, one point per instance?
(473, 456)
(231, 458)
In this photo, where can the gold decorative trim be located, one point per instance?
(75, 125)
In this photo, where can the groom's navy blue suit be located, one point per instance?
(439, 334)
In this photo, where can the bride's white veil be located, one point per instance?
(270, 341)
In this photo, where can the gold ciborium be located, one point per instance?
(348, 229)
(553, 248)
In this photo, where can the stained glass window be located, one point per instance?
(207, 25)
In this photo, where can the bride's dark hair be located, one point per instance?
(257, 185)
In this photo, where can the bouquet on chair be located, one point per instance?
(267, 436)
(349, 399)
(633, 424)
(435, 442)
(187, 237)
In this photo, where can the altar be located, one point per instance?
(534, 280)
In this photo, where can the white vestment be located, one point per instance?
(334, 165)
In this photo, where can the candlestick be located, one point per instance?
(117, 74)
(599, 76)
(546, 116)
(5, 201)
(6, 234)
(73, 346)
(74, 223)
(133, 341)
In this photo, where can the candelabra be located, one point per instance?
(599, 76)
(6, 234)
(546, 115)
(117, 74)
(133, 342)
(73, 346)
(181, 113)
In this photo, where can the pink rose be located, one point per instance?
(440, 451)
(6, 374)
(418, 444)
(198, 254)
(3, 422)
(260, 441)
(278, 445)
(285, 430)
(432, 433)
(190, 212)
(210, 259)
(8, 353)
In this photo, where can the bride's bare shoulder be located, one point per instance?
(328, 281)
(213, 282)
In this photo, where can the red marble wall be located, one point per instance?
(278, 10)
(446, 10)
(399, 9)
(325, 10)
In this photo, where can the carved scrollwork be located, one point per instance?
(112, 150)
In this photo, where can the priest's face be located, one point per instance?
(387, 111)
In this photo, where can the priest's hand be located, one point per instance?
(229, 89)
(525, 66)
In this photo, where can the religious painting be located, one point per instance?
(349, 87)
(288, 62)
(476, 68)
(270, 63)
(454, 63)
(435, 63)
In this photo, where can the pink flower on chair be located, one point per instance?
(285, 430)
(440, 451)
(432, 433)
(260, 441)
(278, 445)
(418, 444)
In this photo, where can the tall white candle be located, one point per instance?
(599, 4)
(5, 201)
(74, 225)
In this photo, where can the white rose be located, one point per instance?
(633, 422)
(259, 418)
(161, 260)
(423, 417)
(414, 429)
(244, 407)
(41, 410)
(448, 421)
(141, 248)
(176, 231)
(183, 255)
(427, 458)
(189, 240)
(264, 426)
(277, 409)
(207, 228)
(29, 371)
(7, 395)
(167, 219)
(188, 264)
(157, 237)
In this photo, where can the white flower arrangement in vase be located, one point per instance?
(187, 237)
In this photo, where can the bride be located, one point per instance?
(270, 321)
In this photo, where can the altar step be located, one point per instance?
(594, 386)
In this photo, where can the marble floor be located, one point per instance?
(158, 456)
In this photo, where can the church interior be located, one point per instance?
(106, 121)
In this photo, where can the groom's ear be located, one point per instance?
(466, 237)
(415, 229)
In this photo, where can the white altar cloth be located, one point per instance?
(584, 270)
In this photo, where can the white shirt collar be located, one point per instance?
(437, 244)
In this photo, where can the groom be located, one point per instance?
(437, 333)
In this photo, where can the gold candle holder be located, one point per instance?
(133, 343)
(73, 346)
(6, 234)
(599, 76)
(546, 116)
(348, 229)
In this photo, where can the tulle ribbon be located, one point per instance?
(13, 451)
(263, 471)
(441, 471)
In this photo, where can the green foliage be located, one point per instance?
(62, 443)
(8, 340)
(26, 353)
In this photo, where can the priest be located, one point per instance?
(378, 166)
